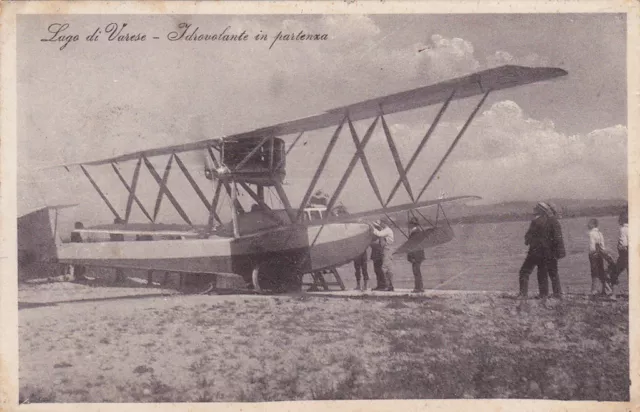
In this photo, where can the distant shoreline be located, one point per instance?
(521, 217)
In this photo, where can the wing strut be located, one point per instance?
(132, 191)
(165, 178)
(424, 140)
(396, 157)
(320, 168)
(261, 202)
(285, 200)
(359, 149)
(162, 182)
(214, 206)
(455, 142)
(234, 211)
(365, 164)
(102, 195)
(193, 183)
(226, 184)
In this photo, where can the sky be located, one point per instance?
(565, 138)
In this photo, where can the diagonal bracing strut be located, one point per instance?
(164, 190)
(132, 191)
(424, 140)
(102, 195)
(396, 156)
(455, 142)
(365, 163)
(192, 182)
(320, 168)
(359, 149)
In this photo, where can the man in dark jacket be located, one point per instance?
(416, 257)
(544, 239)
(558, 252)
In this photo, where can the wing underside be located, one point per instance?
(391, 210)
(471, 85)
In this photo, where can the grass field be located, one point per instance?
(100, 343)
(269, 348)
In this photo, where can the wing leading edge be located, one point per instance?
(397, 209)
(471, 85)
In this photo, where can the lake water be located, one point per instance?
(488, 257)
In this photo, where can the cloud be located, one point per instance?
(501, 58)
(97, 104)
(448, 57)
(507, 155)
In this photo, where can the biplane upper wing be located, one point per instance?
(474, 84)
(397, 209)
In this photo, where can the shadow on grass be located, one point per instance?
(31, 305)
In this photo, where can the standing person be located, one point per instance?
(596, 260)
(539, 238)
(149, 272)
(319, 198)
(360, 265)
(118, 237)
(376, 257)
(622, 263)
(416, 257)
(384, 233)
(78, 270)
(558, 252)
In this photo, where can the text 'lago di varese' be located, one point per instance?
(63, 34)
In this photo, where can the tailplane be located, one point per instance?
(38, 236)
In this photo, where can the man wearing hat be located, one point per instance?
(557, 247)
(416, 257)
(544, 251)
(383, 232)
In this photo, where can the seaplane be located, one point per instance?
(272, 248)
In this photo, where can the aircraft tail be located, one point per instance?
(38, 236)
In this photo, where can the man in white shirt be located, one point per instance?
(622, 263)
(384, 233)
(599, 281)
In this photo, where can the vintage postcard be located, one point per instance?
(355, 205)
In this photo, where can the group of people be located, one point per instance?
(603, 281)
(546, 247)
(382, 257)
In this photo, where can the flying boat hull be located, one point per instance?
(280, 254)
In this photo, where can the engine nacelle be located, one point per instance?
(264, 167)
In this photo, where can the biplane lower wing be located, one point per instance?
(398, 209)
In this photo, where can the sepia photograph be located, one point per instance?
(318, 206)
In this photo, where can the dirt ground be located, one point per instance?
(168, 347)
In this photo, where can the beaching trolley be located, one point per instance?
(316, 212)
